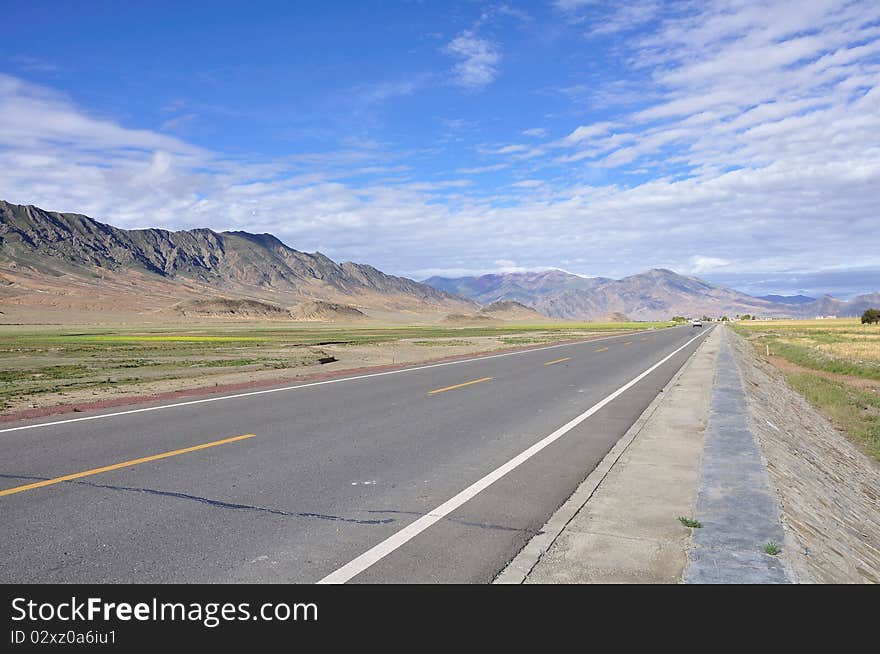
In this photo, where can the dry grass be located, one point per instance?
(843, 346)
(866, 350)
(830, 361)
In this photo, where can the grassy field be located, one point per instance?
(37, 362)
(834, 364)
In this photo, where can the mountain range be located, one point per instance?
(70, 266)
(68, 261)
(653, 295)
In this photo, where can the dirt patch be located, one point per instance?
(221, 307)
(856, 382)
(326, 312)
(510, 310)
(462, 319)
(828, 489)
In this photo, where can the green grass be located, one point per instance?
(524, 340)
(813, 344)
(841, 347)
(855, 411)
(808, 357)
(771, 548)
(227, 363)
(165, 338)
(690, 522)
(36, 361)
(49, 372)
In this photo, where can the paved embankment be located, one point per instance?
(828, 490)
(736, 505)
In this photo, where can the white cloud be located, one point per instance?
(626, 16)
(747, 172)
(571, 5)
(33, 115)
(586, 132)
(377, 93)
(482, 169)
(479, 59)
(510, 149)
(701, 264)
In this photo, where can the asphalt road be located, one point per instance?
(343, 480)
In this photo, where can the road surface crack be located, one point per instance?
(216, 503)
(467, 523)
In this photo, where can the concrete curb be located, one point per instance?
(523, 563)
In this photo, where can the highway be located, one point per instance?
(430, 474)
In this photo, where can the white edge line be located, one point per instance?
(523, 563)
(292, 388)
(393, 542)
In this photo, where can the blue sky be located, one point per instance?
(737, 141)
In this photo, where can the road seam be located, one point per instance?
(523, 563)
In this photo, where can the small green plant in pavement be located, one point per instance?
(772, 549)
(690, 522)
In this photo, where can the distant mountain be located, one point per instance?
(861, 303)
(831, 306)
(787, 299)
(511, 310)
(517, 287)
(70, 264)
(653, 295)
(64, 259)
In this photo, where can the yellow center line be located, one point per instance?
(602, 349)
(628, 343)
(449, 388)
(550, 363)
(124, 464)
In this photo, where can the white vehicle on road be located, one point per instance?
(696, 322)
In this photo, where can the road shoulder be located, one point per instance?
(621, 525)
